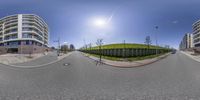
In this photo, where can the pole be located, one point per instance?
(21, 49)
(85, 43)
(90, 47)
(100, 51)
(156, 40)
(58, 46)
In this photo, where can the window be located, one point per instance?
(27, 42)
(26, 35)
(10, 31)
(1, 44)
(10, 37)
(13, 43)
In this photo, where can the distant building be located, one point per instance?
(196, 34)
(187, 42)
(23, 33)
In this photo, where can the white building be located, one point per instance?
(187, 42)
(196, 34)
(23, 33)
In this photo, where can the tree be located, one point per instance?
(71, 47)
(90, 45)
(64, 48)
(148, 41)
(99, 43)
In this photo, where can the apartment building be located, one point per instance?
(187, 42)
(196, 34)
(23, 33)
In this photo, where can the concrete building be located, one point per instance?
(23, 33)
(196, 34)
(187, 42)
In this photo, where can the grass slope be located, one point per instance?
(115, 46)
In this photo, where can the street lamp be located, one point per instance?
(156, 27)
(58, 51)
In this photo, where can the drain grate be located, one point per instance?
(66, 64)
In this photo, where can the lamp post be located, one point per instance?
(21, 48)
(90, 47)
(156, 27)
(58, 50)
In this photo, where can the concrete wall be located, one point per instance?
(3, 50)
(26, 49)
(196, 50)
(128, 52)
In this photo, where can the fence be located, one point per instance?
(128, 52)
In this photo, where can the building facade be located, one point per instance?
(23, 33)
(196, 34)
(187, 42)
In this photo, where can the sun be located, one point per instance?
(100, 22)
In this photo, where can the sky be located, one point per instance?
(131, 20)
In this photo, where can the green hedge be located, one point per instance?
(127, 52)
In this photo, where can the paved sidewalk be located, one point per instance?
(191, 55)
(43, 60)
(122, 64)
(36, 60)
(20, 58)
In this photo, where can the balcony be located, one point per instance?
(11, 21)
(10, 24)
(11, 31)
(32, 29)
(10, 37)
(33, 25)
(33, 21)
(197, 40)
(10, 28)
(27, 35)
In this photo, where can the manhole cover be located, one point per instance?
(66, 64)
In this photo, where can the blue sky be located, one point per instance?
(132, 20)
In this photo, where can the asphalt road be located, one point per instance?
(176, 77)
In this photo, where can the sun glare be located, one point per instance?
(100, 22)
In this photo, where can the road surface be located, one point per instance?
(176, 77)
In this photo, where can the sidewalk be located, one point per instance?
(20, 58)
(45, 60)
(36, 60)
(41, 60)
(190, 54)
(122, 64)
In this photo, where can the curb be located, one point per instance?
(144, 64)
(188, 55)
(37, 65)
